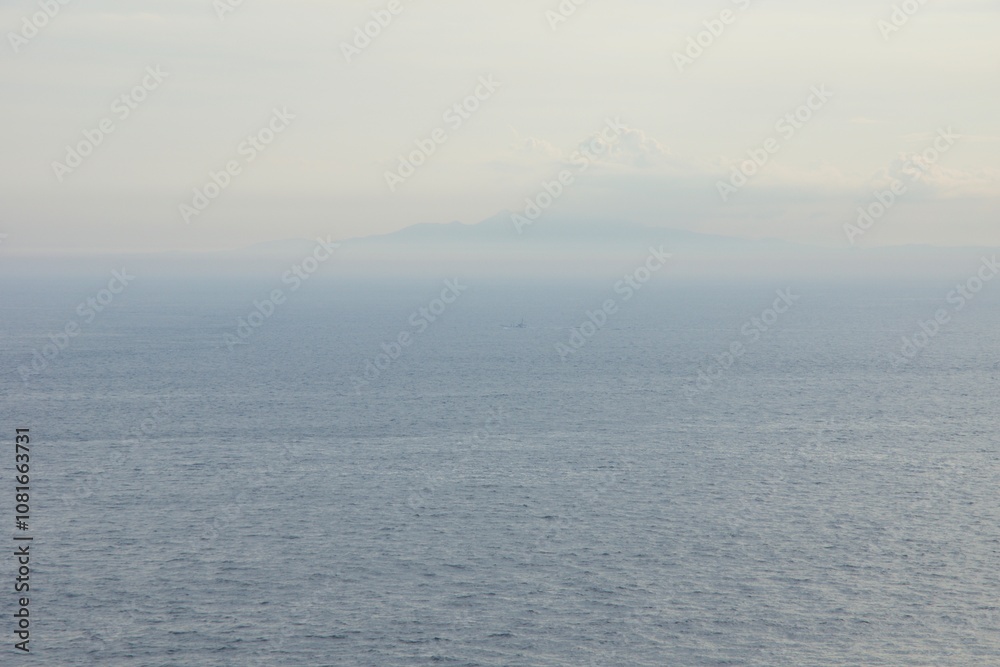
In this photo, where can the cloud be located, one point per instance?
(535, 148)
(929, 178)
(637, 149)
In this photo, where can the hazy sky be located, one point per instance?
(556, 85)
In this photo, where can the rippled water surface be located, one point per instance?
(485, 502)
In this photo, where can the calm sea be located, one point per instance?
(483, 500)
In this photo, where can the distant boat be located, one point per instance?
(519, 325)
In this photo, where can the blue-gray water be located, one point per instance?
(484, 502)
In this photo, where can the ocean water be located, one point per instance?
(483, 501)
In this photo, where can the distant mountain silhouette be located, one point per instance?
(556, 246)
(556, 232)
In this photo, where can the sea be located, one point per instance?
(385, 472)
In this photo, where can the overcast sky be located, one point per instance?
(683, 119)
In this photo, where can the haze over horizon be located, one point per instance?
(535, 333)
(533, 88)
